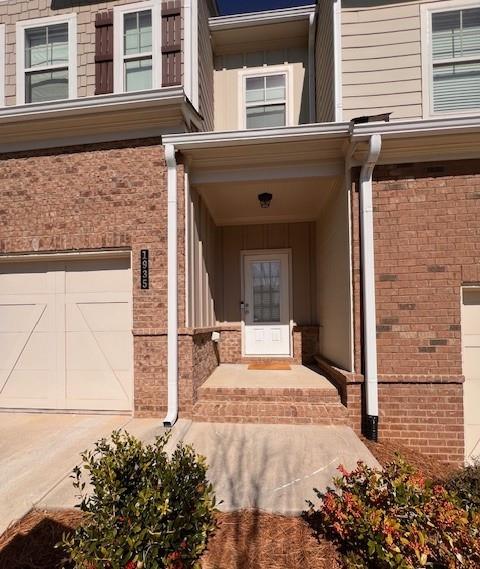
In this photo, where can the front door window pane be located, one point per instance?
(266, 291)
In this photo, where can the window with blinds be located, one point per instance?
(456, 60)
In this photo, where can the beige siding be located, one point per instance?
(300, 237)
(205, 66)
(12, 12)
(201, 239)
(333, 281)
(324, 63)
(381, 59)
(227, 83)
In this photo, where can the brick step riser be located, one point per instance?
(260, 412)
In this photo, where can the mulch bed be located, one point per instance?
(427, 466)
(243, 540)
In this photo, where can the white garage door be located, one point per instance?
(471, 370)
(66, 335)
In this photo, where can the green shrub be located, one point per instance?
(396, 519)
(145, 509)
(466, 484)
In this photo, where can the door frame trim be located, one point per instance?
(252, 252)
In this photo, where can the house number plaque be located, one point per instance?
(144, 269)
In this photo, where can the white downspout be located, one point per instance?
(311, 67)
(172, 290)
(368, 287)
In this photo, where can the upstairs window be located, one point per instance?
(46, 59)
(266, 100)
(46, 63)
(455, 60)
(137, 50)
(137, 56)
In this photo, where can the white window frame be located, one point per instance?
(118, 56)
(265, 71)
(2, 65)
(21, 27)
(426, 11)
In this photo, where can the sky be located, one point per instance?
(238, 6)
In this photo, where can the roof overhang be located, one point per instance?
(94, 119)
(311, 146)
(261, 18)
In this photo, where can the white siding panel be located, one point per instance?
(205, 66)
(381, 53)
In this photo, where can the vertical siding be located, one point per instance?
(205, 66)
(234, 239)
(324, 63)
(201, 260)
(333, 281)
(381, 60)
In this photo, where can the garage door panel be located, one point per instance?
(94, 276)
(66, 351)
(471, 370)
(472, 441)
(27, 278)
(96, 389)
(99, 316)
(471, 363)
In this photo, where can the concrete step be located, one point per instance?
(270, 394)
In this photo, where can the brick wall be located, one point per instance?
(101, 197)
(427, 228)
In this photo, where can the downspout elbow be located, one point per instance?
(368, 287)
(172, 289)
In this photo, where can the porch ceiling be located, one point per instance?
(294, 199)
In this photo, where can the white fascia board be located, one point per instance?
(256, 136)
(259, 18)
(97, 103)
(422, 127)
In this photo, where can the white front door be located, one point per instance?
(266, 309)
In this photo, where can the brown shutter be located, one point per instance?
(104, 53)
(171, 43)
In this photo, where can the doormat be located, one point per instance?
(269, 366)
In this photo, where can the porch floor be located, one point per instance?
(239, 376)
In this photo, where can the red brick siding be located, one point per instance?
(427, 229)
(98, 197)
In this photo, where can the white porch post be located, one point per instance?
(368, 286)
(172, 292)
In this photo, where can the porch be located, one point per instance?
(267, 278)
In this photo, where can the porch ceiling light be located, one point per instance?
(265, 199)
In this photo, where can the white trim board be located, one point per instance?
(21, 27)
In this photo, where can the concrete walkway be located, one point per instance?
(272, 467)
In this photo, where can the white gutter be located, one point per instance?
(368, 286)
(172, 292)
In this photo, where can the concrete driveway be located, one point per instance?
(39, 451)
(271, 467)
